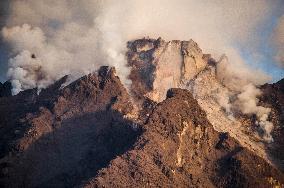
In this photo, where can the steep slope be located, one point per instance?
(182, 64)
(180, 148)
(62, 136)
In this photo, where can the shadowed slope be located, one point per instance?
(66, 134)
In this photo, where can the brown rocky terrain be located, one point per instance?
(180, 148)
(96, 133)
(64, 136)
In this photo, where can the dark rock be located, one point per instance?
(64, 135)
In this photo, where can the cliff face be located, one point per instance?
(182, 64)
(158, 65)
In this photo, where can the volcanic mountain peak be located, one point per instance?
(90, 133)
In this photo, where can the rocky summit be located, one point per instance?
(166, 130)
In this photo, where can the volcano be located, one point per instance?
(168, 129)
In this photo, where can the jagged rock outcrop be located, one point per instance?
(180, 148)
(158, 65)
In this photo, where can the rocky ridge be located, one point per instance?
(90, 134)
(62, 136)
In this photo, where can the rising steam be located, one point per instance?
(243, 83)
(248, 104)
(76, 37)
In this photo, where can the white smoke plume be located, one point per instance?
(237, 75)
(52, 41)
(248, 103)
(76, 37)
(242, 83)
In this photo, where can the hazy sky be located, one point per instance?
(3, 50)
(264, 58)
(267, 62)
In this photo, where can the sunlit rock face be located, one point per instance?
(161, 65)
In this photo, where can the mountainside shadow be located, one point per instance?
(75, 151)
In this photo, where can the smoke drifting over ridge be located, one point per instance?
(76, 37)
